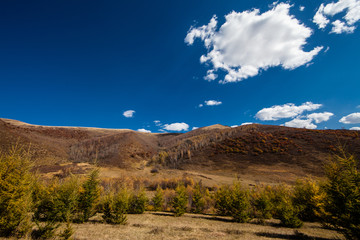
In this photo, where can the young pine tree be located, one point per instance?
(158, 199)
(343, 195)
(310, 198)
(198, 200)
(223, 201)
(262, 203)
(284, 208)
(179, 202)
(15, 193)
(115, 207)
(56, 201)
(137, 202)
(89, 196)
(240, 203)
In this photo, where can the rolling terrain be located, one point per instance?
(260, 153)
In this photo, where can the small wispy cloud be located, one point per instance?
(210, 103)
(129, 113)
(157, 123)
(143, 130)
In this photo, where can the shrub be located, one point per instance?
(169, 195)
(209, 202)
(66, 196)
(233, 201)
(137, 202)
(198, 200)
(115, 207)
(278, 194)
(45, 201)
(158, 199)
(288, 214)
(240, 203)
(262, 203)
(15, 193)
(223, 201)
(56, 201)
(282, 199)
(179, 202)
(154, 170)
(343, 195)
(89, 196)
(309, 197)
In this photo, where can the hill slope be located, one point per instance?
(254, 150)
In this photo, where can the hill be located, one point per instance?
(258, 152)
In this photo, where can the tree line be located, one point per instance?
(36, 208)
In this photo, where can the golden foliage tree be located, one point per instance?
(15, 192)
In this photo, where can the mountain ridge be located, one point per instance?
(252, 149)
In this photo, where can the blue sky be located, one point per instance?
(85, 63)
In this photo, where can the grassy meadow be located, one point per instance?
(163, 225)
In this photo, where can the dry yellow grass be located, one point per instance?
(192, 226)
(156, 225)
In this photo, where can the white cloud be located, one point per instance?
(340, 27)
(352, 118)
(249, 42)
(176, 127)
(319, 17)
(358, 106)
(352, 15)
(246, 123)
(301, 123)
(194, 128)
(144, 130)
(210, 76)
(212, 103)
(129, 113)
(157, 123)
(204, 32)
(234, 126)
(320, 117)
(288, 110)
(301, 8)
(355, 128)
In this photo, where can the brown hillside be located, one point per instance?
(258, 152)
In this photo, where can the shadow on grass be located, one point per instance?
(206, 217)
(162, 214)
(214, 218)
(156, 230)
(297, 235)
(93, 221)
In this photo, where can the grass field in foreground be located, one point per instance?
(193, 226)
